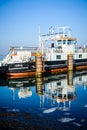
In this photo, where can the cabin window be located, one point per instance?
(64, 41)
(59, 42)
(58, 56)
(69, 42)
(80, 55)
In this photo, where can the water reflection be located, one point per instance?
(56, 88)
(59, 98)
(22, 85)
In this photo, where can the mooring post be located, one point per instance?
(39, 65)
(70, 62)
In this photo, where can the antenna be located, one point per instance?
(64, 28)
(69, 32)
(51, 30)
(39, 37)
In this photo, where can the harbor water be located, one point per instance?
(53, 102)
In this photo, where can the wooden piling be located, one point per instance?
(39, 64)
(70, 62)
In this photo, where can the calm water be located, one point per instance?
(50, 103)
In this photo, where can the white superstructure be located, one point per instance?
(17, 54)
(58, 44)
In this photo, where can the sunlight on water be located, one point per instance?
(50, 102)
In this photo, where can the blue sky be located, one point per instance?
(20, 19)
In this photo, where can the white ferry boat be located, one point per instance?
(62, 44)
(54, 49)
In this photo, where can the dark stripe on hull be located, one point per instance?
(55, 64)
(80, 64)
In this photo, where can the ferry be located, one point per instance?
(62, 45)
(57, 52)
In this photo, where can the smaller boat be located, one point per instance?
(19, 62)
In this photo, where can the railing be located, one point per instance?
(81, 50)
(55, 50)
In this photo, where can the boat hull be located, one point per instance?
(20, 69)
(20, 74)
(80, 64)
(29, 69)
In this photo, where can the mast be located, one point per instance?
(66, 28)
(41, 46)
(39, 37)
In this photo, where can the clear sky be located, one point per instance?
(20, 19)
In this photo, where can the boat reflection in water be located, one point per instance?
(56, 99)
(57, 90)
(22, 85)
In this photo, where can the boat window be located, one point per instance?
(59, 42)
(64, 41)
(73, 42)
(58, 56)
(69, 41)
(80, 55)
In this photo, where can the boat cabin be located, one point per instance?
(61, 44)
